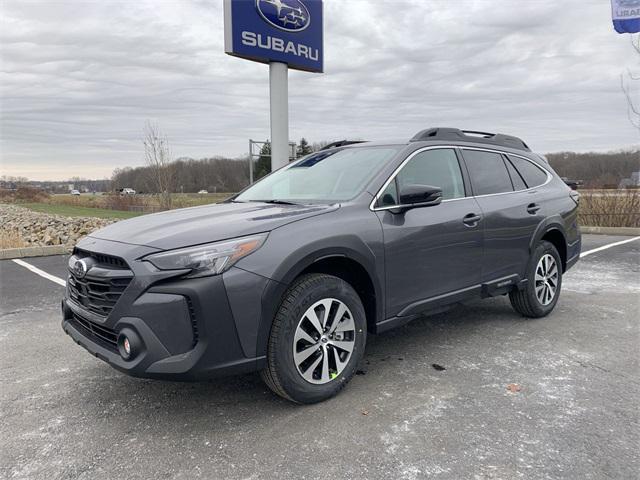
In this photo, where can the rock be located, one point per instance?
(38, 229)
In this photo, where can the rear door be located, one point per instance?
(512, 211)
(430, 251)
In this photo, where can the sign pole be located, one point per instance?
(250, 162)
(279, 98)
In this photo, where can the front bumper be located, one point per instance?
(188, 329)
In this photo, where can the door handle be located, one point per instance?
(533, 208)
(471, 219)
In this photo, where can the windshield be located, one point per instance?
(322, 177)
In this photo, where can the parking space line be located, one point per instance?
(604, 247)
(42, 273)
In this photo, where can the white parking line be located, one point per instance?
(604, 247)
(42, 273)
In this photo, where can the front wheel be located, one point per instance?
(317, 339)
(544, 279)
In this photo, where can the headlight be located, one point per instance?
(209, 259)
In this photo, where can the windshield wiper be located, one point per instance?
(277, 202)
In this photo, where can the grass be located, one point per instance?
(11, 240)
(77, 211)
(609, 208)
(138, 203)
(113, 206)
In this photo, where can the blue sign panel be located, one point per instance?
(288, 31)
(626, 15)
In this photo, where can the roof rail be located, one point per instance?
(455, 134)
(341, 143)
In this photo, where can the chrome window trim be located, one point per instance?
(549, 176)
(376, 197)
(372, 206)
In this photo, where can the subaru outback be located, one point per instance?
(291, 275)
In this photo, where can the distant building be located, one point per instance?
(632, 182)
(6, 185)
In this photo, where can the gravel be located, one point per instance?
(41, 229)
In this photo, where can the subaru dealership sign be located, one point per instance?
(286, 31)
(626, 15)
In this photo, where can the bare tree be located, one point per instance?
(158, 159)
(630, 82)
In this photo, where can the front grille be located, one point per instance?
(98, 295)
(107, 337)
(104, 282)
(102, 258)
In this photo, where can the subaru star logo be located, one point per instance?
(288, 15)
(80, 268)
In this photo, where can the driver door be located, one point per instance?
(433, 252)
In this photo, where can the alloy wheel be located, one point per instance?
(546, 279)
(324, 341)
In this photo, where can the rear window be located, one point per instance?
(532, 174)
(488, 172)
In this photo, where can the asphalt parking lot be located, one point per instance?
(430, 400)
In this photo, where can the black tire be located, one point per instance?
(281, 374)
(525, 301)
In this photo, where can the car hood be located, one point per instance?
(208, 223)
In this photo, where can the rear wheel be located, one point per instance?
(544, 275)
(317, 339)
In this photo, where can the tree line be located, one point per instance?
(216, 174)
(8, 182)
(596, 170)
(221, 174)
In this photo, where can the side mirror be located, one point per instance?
(416, 196)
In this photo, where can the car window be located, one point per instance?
(532, 174)
(437, 168)
(516, 179)
(488, 172)
(322, 177)
(389, 195)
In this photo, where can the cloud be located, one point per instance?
(79, 79)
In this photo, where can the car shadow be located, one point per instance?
(226, 402)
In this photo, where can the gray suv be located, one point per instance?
(289, 276)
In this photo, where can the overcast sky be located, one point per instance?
(79, 78)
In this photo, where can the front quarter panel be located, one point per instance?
(352, 231)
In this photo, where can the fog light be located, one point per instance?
(129, 344)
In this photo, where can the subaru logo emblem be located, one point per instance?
(80, 268)
(288, 15)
